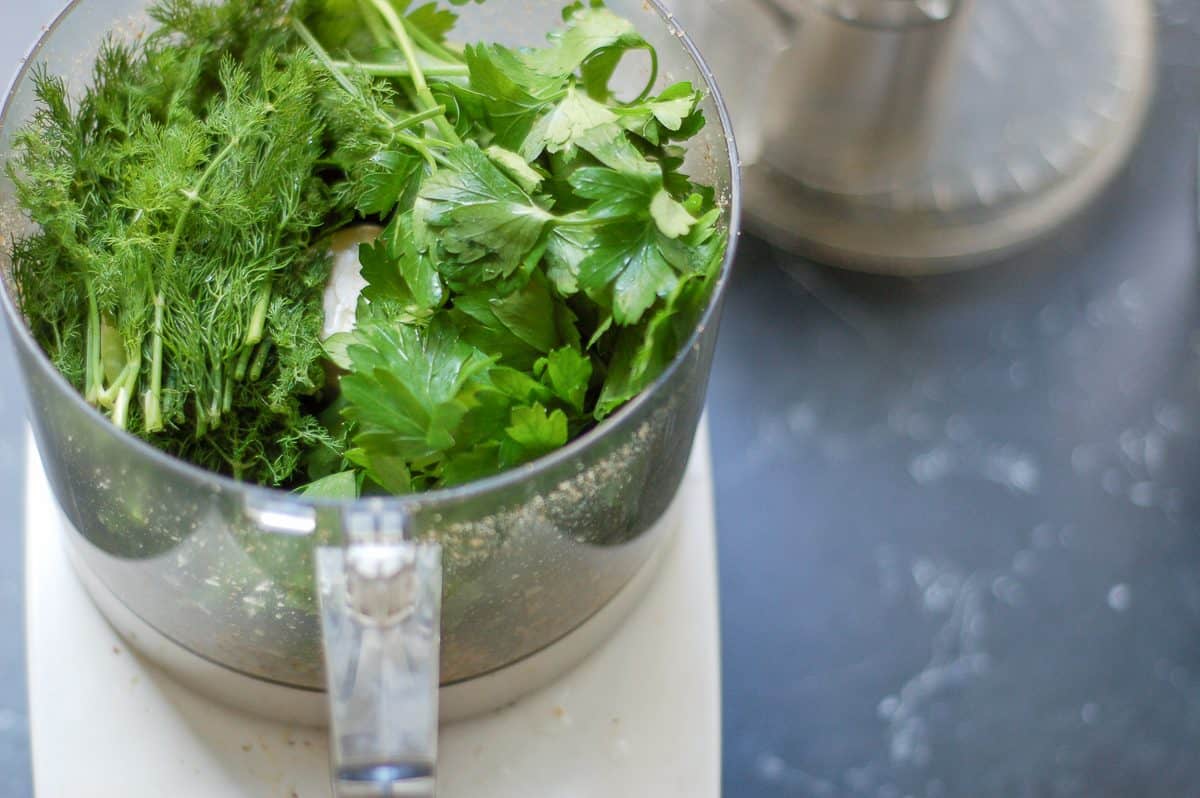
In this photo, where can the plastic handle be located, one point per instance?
(380, 599)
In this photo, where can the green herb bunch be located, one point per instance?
(542, 257)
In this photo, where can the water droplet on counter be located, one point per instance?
(1084, 458)
(1025, 562)
(770, 767)
(1142, 494)
(940, 596)
(1171, 418)
(931, 466)
(1120, 597)
(1051, 320)
(958, 429)
(1043, 536)
(1008, 590)
(924, 572)
(1018, 472)
(802, 419)
(920, 427)
(1018, 375)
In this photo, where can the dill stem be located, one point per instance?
(214, 409)
(201, 419)
(127, 382)
(120, 414)
(243, 362)
(152, 401)
(260, 359)
(400, 31)
(193, 194)
(92, 377)
(258, 318)
(227, 399)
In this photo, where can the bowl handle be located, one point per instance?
(380, 595)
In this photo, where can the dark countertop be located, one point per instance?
(959, 518)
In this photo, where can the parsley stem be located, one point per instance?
(377, 31)
(653, 77)
(400, 31)
(418, 118)
(426, 42)
(419, 145)
(403, 70)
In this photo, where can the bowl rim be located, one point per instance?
(409, 503)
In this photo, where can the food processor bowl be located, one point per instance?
(223, 572)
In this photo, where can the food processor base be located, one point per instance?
(126, 727)
(1043, 104)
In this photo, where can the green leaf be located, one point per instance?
(578, 122)
(343, 485)
(628, 269)
(616, 195)
(404, 390)
(337, 349)
(674, 112)
(565, 251)
(518, 327)
(644, 352)
(530, 314)
(388, 471)
(567, 123)
(505, 93)
(568, 372)
(537, 431)
(589, 31)
(398, 273)
(433, 21)
(388, 178)
(471, 213)
(670, 216)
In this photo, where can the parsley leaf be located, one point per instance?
(406, 393)
(471, 214)
(568, 372)
(397, 272)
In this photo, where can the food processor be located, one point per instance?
(918, 136)
(306, 609)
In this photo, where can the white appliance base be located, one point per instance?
(299, 706)
(641, 717)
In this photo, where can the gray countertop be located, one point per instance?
(960, 549)
(960, 518)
